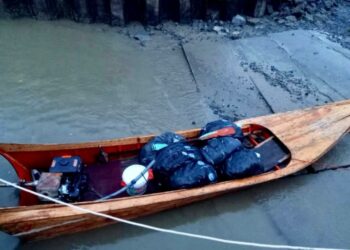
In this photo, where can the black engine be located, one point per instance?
(65, 180)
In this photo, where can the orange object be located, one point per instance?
(150, 174)
(218, 133)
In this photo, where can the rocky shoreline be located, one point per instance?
(192, 19)
(330, 17)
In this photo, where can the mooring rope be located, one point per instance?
(163, 230)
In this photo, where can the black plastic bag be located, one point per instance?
(150, 150)
(195, 174)
(174, 156)
(242, 163)
(218, 149)
(219, 124)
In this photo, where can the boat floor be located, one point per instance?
(105, 178)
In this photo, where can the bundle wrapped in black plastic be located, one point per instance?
(174, 156)
(195, 174)
(242, 163)
(150, 150)
(218, 149)
(177, 164)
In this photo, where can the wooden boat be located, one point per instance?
(305, 135)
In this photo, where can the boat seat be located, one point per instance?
(272, 153)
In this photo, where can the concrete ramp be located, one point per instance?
(276, 73)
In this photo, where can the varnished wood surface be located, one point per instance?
(308, 134)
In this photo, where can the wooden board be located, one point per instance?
(271, 154)
(117, 12)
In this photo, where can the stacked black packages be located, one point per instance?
(181, 165)
(178, 164)
(227, 153)
(175, 156)
(218, 149)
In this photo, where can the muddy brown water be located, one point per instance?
(67, 82)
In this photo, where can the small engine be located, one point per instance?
(65, 179)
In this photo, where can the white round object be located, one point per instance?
(132, 172)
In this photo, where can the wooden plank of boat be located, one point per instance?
(308, 134)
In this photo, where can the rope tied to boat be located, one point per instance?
(164, 230)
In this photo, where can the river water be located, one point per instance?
(68, 82)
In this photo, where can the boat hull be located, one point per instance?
(308, 134)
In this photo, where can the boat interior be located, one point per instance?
(103, 165)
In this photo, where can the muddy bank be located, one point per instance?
(205, 19)
(333, 20)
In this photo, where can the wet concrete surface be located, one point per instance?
(276, 73)
(223, 82)
(65, 82)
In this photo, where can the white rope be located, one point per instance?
(163, 230)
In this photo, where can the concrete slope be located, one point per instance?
(280, 72)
